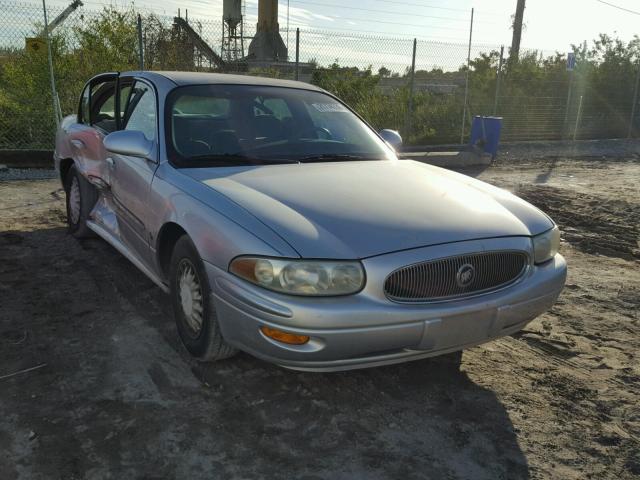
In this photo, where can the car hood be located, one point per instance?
(351, 210)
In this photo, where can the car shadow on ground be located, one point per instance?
(419, 419)
(120, 397)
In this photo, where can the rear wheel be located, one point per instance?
(194, 312)
(81, 198)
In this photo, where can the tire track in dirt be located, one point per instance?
(594, 224)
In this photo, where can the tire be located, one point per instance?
(81, 198)
(195, 315)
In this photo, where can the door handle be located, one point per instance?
(77, 143)
(111, 163)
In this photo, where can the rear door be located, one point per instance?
(131, 177)
(97, 117)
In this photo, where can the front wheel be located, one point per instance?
(194, 312)
(81, 198)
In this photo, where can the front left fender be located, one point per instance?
(220, 229)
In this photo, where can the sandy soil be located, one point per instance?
(118, 397)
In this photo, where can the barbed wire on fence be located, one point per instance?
(372, 73)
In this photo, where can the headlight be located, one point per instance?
(301, 277)
(545, 245)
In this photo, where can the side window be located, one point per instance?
(140, 112)
(103, 106)
(84, 106)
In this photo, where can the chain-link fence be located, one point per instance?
(535, 94)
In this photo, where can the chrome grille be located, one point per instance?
(458, 276)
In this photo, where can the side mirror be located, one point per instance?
(392, 137)
(129, 142)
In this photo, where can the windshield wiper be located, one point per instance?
(233, 159)
(332, 157)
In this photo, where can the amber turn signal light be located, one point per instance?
(284, 337)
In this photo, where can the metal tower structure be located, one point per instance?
(267, 44)
(232, 31)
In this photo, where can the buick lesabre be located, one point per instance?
(281, 224)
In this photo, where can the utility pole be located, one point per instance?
(517, 31)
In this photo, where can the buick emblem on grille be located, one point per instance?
(456, 277)
(465, 275)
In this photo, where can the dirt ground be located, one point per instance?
(116, 395)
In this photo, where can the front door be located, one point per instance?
(131, 177)
(97, 118)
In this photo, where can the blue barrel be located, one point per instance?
(485, 133)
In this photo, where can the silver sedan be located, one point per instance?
(282, 225)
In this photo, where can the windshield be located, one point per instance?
(210, 125)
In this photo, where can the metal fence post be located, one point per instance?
(575, 130)
(466, 83)
(411, 88)
(140, 44)
(57, 111)
(498, 78)
(566, 111)
(635, 102)
(297, 53)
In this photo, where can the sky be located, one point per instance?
(549, 24)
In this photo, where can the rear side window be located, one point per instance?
(140, 112)
(276, 107)
(196, 105)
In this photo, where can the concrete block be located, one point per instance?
(460, 159)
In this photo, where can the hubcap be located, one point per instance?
(74, 201)
(190, 293)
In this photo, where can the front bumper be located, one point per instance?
(368, 329)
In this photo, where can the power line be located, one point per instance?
(436, 7)
(436, 39)
(458, 19)
(397, 23)
(619, 7)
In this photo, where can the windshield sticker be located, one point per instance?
(329, 107)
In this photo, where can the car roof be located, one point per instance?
(203, 78)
